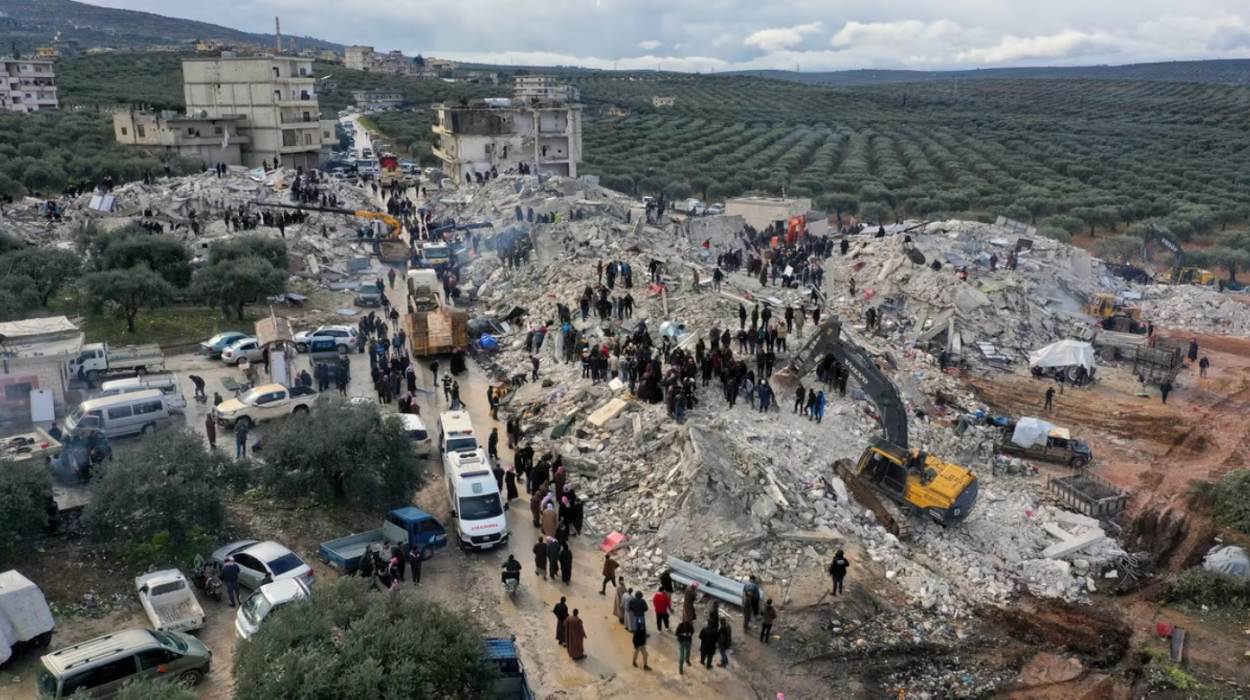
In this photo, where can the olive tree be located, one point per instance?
(129, 291)
(159, 497)
(347, 641)
(341, 452)
(25, 494)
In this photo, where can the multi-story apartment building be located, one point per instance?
(501, 134)
(358, 57)
(276, 97)
(543, 88)
(27, 85)
(214, 140)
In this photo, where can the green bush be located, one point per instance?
(1198, 587)
(1228, 499)
(151, 688)
(347, 641)
(339, 453)
(25, 494)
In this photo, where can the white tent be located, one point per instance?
(1031, 431)
(1064, 353)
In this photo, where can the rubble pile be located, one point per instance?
(1196, 309)
(733, 490)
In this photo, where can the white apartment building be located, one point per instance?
(27, 85)
(477, 136)
(543, 88)
(276, 97)
(358, 57)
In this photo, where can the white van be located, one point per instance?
(455, 434)
(167, 383)
(414, 427)
(477, 505)
(116, 416)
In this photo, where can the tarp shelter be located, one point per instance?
(24, 612)
(1229, 560)
(1031, 431)
(1065, 353)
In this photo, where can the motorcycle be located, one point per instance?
(207, 578)
(510, 585)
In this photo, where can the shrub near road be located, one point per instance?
(349, 642)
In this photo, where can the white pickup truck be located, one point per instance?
(264, 403)
(98, 359)
(168, 600)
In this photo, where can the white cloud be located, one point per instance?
(650, 45)
(1067, 44)
(687, 64)
(781, 37)
(858, 33)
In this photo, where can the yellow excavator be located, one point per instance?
(390, 249)
(913, 481)
(1114, 315)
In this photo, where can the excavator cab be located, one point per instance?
(917, 480)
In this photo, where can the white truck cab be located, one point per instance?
(479, 508)
(455, 434)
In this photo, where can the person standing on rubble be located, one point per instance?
(768, 617)
(1050, 398)
(707, 645)
(837, 570)
(742, 317)
(1203, 364)
(1165, 389)
(1193, 349)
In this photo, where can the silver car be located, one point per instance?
(262, 562)
(248, 349)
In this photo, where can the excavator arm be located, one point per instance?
(382, 216)
(827, 340)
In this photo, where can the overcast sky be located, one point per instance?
(712, 35)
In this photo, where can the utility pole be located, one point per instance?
(277, 34)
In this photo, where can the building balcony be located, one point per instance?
(296, 80)
(443, 155)
(305, 102)
(301, 148)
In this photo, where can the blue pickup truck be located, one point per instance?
(408, 526)
(512, 684)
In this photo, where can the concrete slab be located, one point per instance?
(1059, 533)
(606, 412)
(1074, 545)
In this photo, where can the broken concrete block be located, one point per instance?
(606, 412)
(1073, 545)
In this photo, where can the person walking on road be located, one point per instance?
(561, 611)
(575, 637)
(768, 617)
(610, 566)
(685, 636)
(240, 439)
(750, 602)
(687, 604)
(707, 645)
(230, 577)
(210, 429)
(553, 557)
(1050, 398)
(640, 646)
(627, 597)
(540, 558)
(837, 569)
(566, 563)
(662, 604)
(638, 611)
(724, 640)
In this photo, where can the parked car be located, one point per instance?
(368, 295)
(169, 601)
(120, 415)
(166, 383)
(214, 345)
(264, 601)
(263, 562)
(715, 209)
(344, 335)
(248, 349)
(264, 403)
(422, 443)
(100, 667)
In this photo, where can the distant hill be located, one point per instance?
(1226, 72)
(33, 23)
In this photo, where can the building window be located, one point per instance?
(123, 131)
(307, 139)
(276, 73)
(190, 131)
(217, 130)
(139, 131)
(277, 95)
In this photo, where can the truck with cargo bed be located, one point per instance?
(169, 602)
(98, 360)
(407, 527)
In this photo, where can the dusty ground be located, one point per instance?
(1155, 451)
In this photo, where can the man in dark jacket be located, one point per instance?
(638, 608)
(230, 577)
(707, 645)
(837, 569)
(724, 640)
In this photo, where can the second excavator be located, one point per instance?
(913, 481)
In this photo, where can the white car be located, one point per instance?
(343, 337)
(422, 444)
(263, 562)
(716, 209)
(248, 349)
(264, 601)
